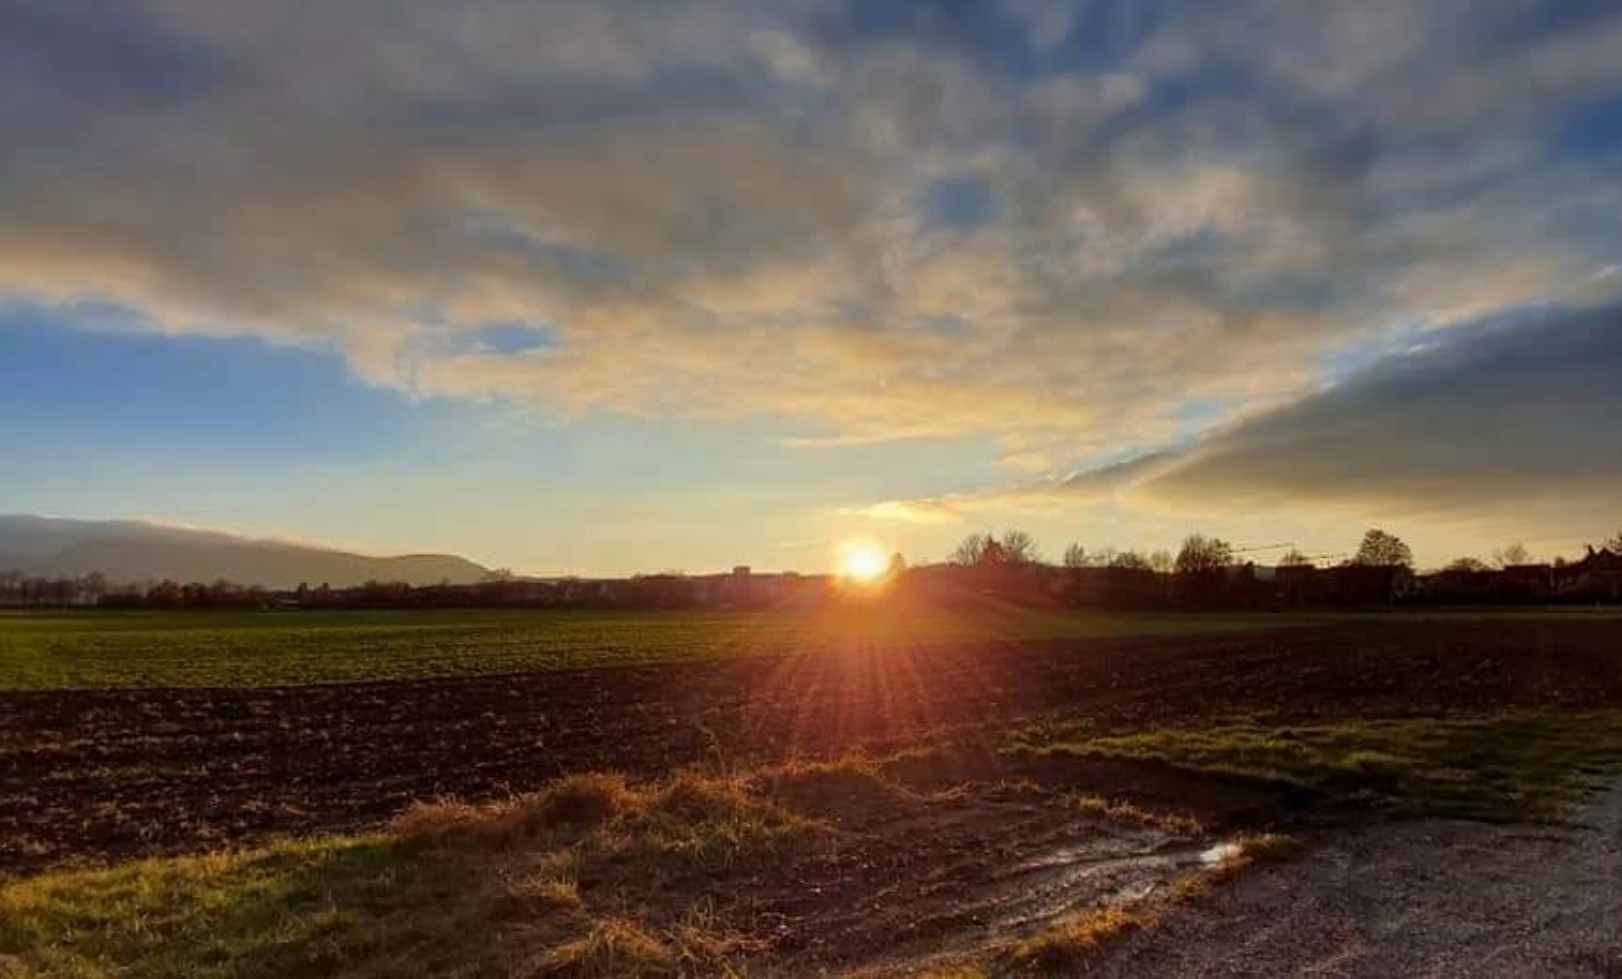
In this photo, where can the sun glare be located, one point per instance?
(862, 562)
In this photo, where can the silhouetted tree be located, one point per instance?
(984, 550)
(1614, 544)
(1512, 554)
(1019, 547)
(1471, 564)
(1130, 560)
(971, 550)
(1075, 556)
(1160, 561)
(1203, 555)
(1294, 559)
(1382, 550)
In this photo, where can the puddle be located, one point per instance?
(993, 872)
(1110, 867)
(1220, 853)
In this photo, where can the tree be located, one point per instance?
(971, 550)
(1383, 550)
(1294, 559)
(1075, 556)
(1470, 564)
(1160, 561)
(984, 550)
(1130, 561)
(1614, 545)
(1019, 547)
(1201, 555)
(897, 566)
(1512, 554)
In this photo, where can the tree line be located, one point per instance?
(1204, 569)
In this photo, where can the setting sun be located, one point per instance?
(862, 562)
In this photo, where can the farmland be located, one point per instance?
(595, 793)
(252, 649)
(45, 651)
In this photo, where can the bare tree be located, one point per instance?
(1294, 559)
(971, 550)
(1019, 547)
(1131, 561)
(1380, 549)
(1075, 556)
(1203, 555)
(1160, 561)
(984, 550)
(1513, 554)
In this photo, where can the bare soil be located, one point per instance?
(104, 774)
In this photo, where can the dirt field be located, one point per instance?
(102, 774)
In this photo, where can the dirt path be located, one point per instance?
(1434, 898)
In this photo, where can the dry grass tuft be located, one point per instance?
(612, 947)
(1125, 812)
(848, 786)
(1074, 942)
(591, 876)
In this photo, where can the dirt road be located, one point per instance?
(1433, 898)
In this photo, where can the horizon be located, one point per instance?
(576, 290)
(861, 558)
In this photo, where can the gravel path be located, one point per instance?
(1434, 898)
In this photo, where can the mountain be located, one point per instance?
(134, 551)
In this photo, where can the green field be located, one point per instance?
(56, 650)
(256, 649)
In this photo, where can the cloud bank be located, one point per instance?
(1516, 418)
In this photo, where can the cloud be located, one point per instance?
(1487, 417)
(1512, 418)
(1083, 488)
(1069, 223)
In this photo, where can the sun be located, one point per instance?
(861, 561)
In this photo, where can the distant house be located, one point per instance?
(1368, 584)
(1525, 583)
(1597, 577)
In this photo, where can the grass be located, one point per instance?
(1532, 766)
(257, 649)
(591, 877)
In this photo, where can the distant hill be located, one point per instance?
(128, 551)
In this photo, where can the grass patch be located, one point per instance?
(589, 877)
(1172, 824)
(1517, 767)
(257, 649)
(1076, 940)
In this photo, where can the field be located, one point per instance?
(256, 649)
(869, 788)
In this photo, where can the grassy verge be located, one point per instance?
(591, 877)
(1516, 767)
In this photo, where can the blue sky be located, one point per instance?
(615, 285)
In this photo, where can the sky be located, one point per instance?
(619, 285)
